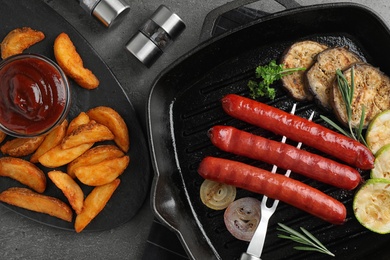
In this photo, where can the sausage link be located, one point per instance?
(299, 129)
(274, 186)
(285, 156)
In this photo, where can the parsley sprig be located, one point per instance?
(268, 74)
(308, 240)
(347, 89)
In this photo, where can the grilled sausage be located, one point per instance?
(299, 129)
(321, 75)
(285, 156)
(299, 55)
(275, 186)
(371, 90)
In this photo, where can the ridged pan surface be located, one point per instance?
(185, 102)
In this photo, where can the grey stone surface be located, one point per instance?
(22, 238)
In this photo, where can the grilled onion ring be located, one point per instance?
(216, 195)
(242, 218)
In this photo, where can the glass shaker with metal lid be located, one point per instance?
(155, 35)
(106, 11)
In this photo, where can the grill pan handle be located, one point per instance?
(213, 16)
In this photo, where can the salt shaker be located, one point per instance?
(106, 11)
(155, 35)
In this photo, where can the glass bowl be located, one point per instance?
(35, 95)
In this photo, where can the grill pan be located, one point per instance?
(185, 102)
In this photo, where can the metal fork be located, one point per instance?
(256, 245)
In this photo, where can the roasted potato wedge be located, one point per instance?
(71, 63)
(103, 172)
(111, 118)
(87, 133)
(2, 136)
(93, 156)
(57, 156)
(20, 147)
(94, 203)
(23, 171)
(51, 140)
(81, 119)
(70, 188)
(18, 40)
(28, 199)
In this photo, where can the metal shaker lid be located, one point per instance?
(169, 21)
(143, 49)
(109, 11)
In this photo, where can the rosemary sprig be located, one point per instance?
(309, 240)
(347, 91)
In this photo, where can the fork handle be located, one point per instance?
(246, 256)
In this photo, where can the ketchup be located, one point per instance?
(34, 95)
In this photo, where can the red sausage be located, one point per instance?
(285, 156)
(274, 186)
(299, 129)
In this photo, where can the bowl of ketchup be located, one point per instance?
(35, 95)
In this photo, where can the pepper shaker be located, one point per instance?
(106, 11)
(155, 35)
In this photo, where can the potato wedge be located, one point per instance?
(28, 199)
(103, 172)
(94, 203)
(51, 140)
(94, 155)
(71, 63)
(88, 133)
(70, 188)
(23, 171)
(2, 136)
(57, 156)
(111, 118)
(18, 40)
(81, 119)
(20, 147)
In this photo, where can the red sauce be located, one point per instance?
(33, 96)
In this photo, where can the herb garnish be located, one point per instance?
(268, 74)
(347, 91)
(311, 242)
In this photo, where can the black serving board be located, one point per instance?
(135, 181)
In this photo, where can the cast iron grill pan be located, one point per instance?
(185, 103)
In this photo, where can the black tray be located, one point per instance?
(135, 181)
(184, 104)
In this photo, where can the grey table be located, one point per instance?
(21, 238)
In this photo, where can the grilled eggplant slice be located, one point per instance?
(321, 75)
(300, 54)
(372, 90)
